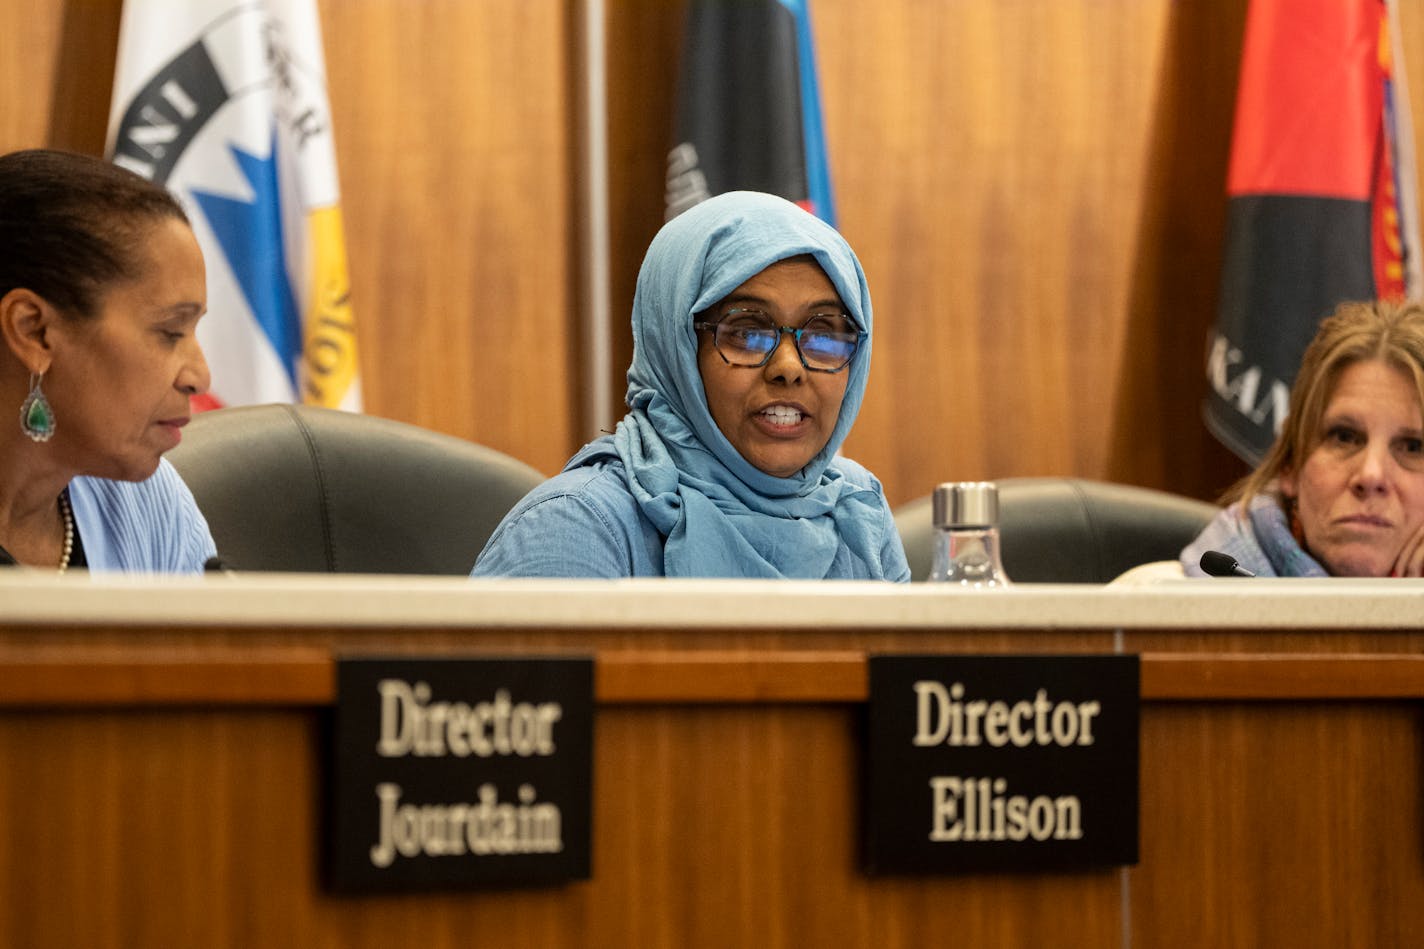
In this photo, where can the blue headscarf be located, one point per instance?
(721, 515)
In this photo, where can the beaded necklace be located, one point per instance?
(68, 514)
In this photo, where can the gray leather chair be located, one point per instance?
(299, 488)
(1070, 530)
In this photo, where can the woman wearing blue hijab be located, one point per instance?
(751, 349)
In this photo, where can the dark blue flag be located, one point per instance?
(748, 112)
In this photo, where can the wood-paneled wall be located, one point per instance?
(1035, 188)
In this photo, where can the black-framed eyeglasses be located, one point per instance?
(745, 337)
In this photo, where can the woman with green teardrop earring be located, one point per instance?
(102, 285)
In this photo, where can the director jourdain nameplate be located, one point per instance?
(461, 772)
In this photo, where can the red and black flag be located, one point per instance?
(748, 112)
(1323, 206)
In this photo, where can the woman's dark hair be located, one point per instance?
(70, 225)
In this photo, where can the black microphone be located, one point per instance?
(1218, 564)
(216, 565)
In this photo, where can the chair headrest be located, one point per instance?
(302, 488)
(1071, 530)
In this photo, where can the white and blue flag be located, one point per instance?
(224, 102)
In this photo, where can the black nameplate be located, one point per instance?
(1001, 763)
(454, 773)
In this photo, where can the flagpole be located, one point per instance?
(598, 378)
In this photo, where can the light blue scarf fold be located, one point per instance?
(722, 516)
(1259, 538)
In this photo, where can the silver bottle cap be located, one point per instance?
(966, 504)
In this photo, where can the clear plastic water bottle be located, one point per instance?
(966, 520)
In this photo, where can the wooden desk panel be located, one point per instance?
(714, 826)
(162, 785)
(1280, 824)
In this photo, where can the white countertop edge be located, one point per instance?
(256, 599)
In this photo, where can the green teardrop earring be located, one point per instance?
(36, 415)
